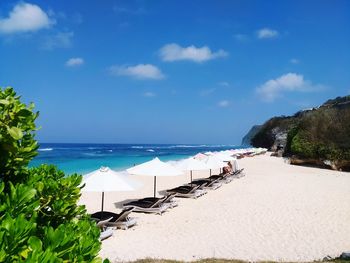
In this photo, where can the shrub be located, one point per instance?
(17, 144)
(40, 220)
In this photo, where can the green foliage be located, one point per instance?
(322, 133)
(337, 100)
(17, 144)
(58, 195)
(292, 132)
(40, 220)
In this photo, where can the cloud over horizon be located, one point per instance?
(290, 82)
(25, 17)
(174, 52)
(266, 33)
(140, 71)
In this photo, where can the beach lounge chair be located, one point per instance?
(121, 220)
(169, 200)
(106, 232)
(155, 206)
(188, 191)
(207, 183)
(226, 178)
(237, 174)
(240, 172)
(102, 223)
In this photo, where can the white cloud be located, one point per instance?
(149, 94)
(290, 82)
(224, 103)
(59, 40)
(25, 17)
(174, 52)
(267, 33)
(74, 62)
(140, 71)
(294, 61)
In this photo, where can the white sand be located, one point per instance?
(276, 212)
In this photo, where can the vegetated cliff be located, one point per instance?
(319, 136)
(251, 133)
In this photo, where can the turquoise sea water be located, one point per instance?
(84, 158)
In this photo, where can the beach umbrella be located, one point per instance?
(227, 157)
(215, 162)
(224, 157)
(200, 156)
(154, 168)
(191, 164)
(106, 180)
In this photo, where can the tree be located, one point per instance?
(40, 220)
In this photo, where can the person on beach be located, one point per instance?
(227, 169)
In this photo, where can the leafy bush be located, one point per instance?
(40, 220)
(324, 134)
(17, 144)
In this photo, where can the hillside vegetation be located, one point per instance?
(319, 135)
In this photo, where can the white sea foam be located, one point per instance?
(93, 148)
(45, 149)
(150, 150)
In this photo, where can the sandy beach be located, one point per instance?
(276, 212)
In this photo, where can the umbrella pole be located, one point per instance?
(103, 197)
(209, 172)
(191, 177)
(155, 185)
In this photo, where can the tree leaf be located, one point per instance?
(4, 102)
(16, 133)
(35, 243)
(24, 113)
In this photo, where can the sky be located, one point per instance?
(171, 71)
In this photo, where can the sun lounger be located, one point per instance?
(237, 174)
(155, 206)
(121, 220)
(226, 178)
(208, 184)
(188, 191)
(169, 200)
(102, 223)
(106, 232)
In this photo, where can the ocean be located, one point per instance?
(84, 158)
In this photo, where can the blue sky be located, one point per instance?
(171, 71)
